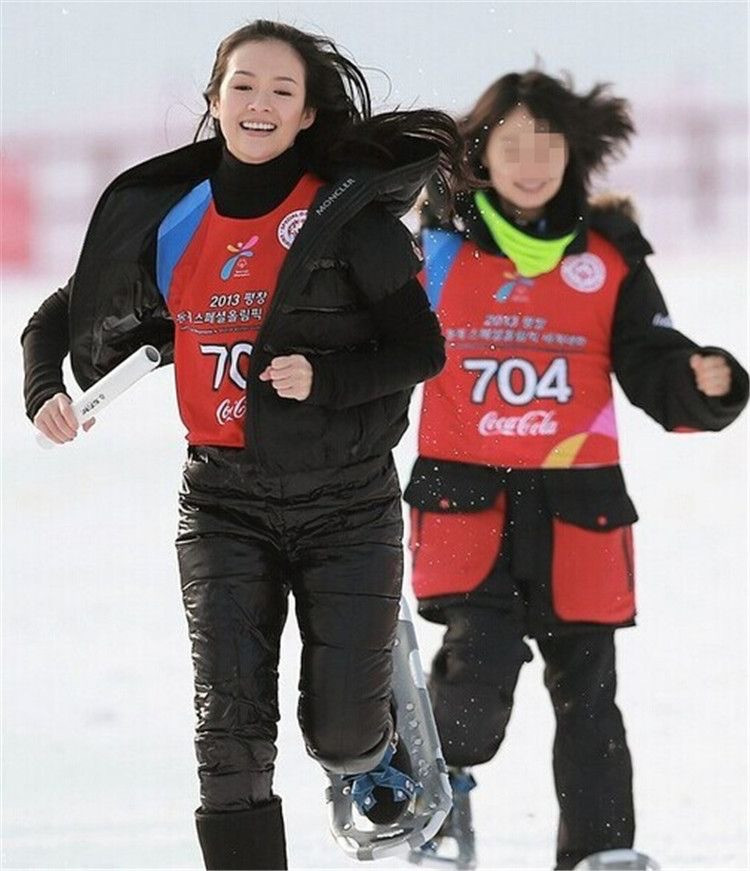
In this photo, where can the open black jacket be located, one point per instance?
(649, 359)
(347, 298)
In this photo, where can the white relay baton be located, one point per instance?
(99, 395)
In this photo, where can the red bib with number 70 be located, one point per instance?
(218, 276)
(527, 378)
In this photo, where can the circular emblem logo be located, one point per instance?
(290, 225)
(584, 272)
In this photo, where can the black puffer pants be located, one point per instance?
(472, 685)
(246, 538)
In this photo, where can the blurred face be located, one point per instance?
(261, 102)
(526, 163)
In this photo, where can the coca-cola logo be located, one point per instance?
(533, 423)
(229, 410)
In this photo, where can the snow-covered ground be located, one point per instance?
(98, 768)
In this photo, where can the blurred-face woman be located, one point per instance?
(525, 162)
(521, 524)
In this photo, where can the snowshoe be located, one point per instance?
(618, 860)
(359, 828)
(453, 846)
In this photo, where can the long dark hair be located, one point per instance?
(344, 130)
(596, 125)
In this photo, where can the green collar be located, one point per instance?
(530, 256)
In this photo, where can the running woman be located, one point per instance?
(268, 261)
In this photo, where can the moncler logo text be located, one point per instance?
(331, 198)
(660, 320)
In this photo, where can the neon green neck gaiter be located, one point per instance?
(530, 256)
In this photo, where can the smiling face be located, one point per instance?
(526, 163)
(261, 101)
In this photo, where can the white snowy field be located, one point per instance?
(98, 767)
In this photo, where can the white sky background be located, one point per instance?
(84, 64)
(132, 74)
(80, 772)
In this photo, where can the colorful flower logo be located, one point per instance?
(240, 252)
(515, 280)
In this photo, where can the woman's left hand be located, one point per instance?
(291, 377)
(712, 374)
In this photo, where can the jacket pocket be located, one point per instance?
(323, 329)
(131, 315)
(327, 313)
(453, 553)
(592, 570)
(328, 289)
(383, 421)
(445, 486)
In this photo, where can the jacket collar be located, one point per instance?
(396, 187)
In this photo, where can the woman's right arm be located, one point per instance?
(657, 366)
(45, 345)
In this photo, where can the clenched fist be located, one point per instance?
(712, 374)
(57, 421)
(291, 377)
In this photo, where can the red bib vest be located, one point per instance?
(527, 378)
(218, 276)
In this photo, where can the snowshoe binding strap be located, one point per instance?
(462, 781)
(371, 789)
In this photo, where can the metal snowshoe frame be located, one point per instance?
(458, 829)
(619, 860)
(416, 729)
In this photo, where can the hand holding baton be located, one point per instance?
(108, 388)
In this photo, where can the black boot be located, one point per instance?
(251, 840)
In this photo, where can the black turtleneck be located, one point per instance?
(249, 190)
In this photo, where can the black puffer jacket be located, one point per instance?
(346, 298)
